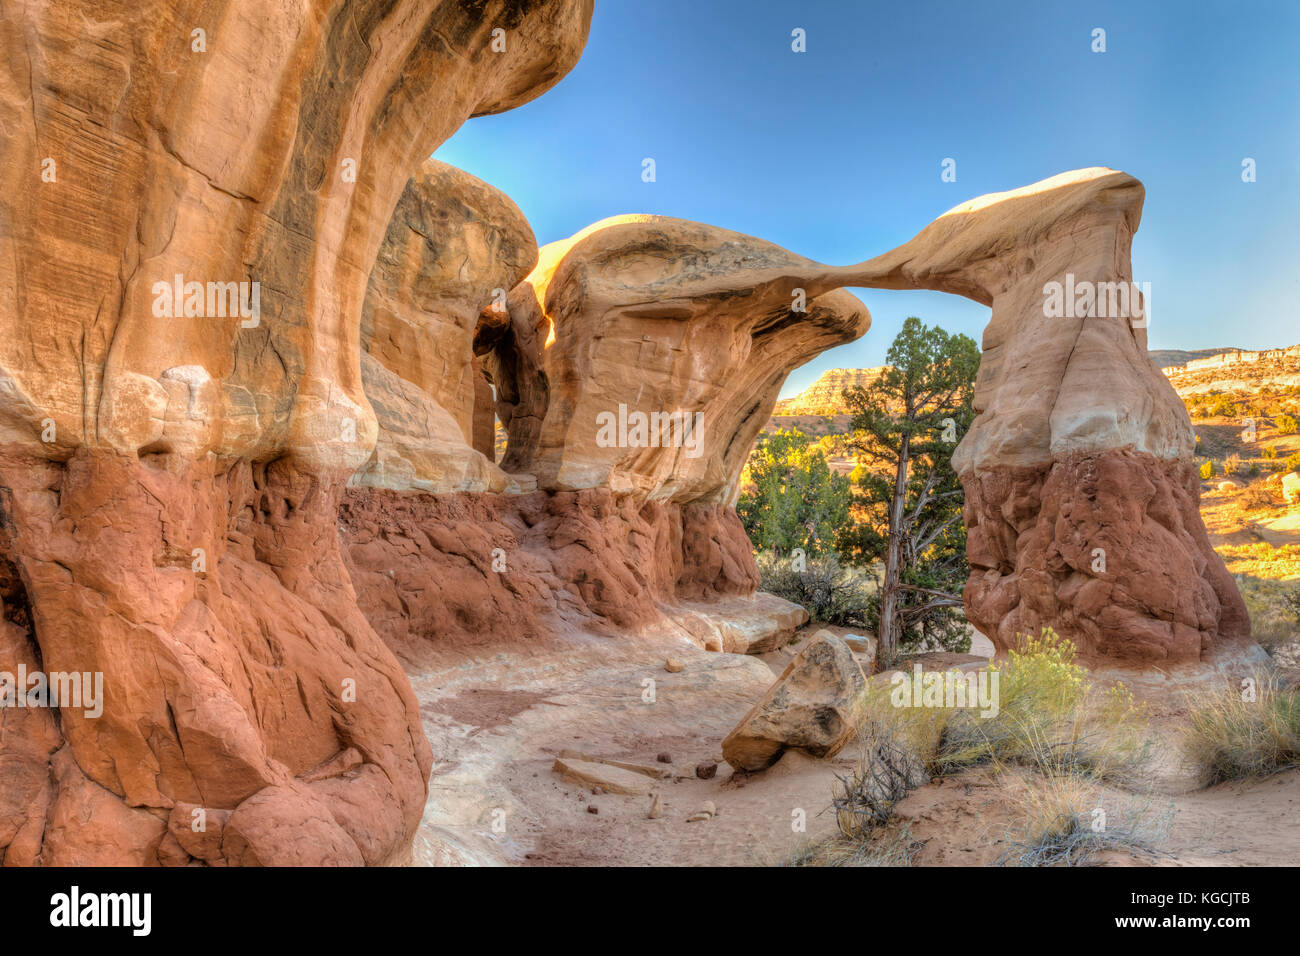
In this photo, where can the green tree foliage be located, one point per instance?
(905, 428)
(1286, 425)
(796, 501)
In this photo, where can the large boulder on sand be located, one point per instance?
(813, 707)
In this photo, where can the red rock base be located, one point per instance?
(1037, 538)
(251, 715)
(434, 572)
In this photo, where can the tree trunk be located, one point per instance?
(888, 634)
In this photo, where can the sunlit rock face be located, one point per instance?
(681, 330)
(453, 249)
(251, 342)
(193, 197)
(648, 352)
(1081, 497)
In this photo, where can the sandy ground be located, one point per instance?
(975, 818)
(497, 721)
(494, 752)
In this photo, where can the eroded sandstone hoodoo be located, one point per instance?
(1081, 497)
(436, 300)
(645, 315)
(250, 348)
(692, 327)
(192, 201)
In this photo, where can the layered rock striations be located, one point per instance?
(654, 350)
(634, 368)
(192, 201)
(826, 395)
(435, 304)
(252, 346)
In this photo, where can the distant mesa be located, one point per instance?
(826, 395)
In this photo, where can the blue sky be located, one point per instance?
(835, 153)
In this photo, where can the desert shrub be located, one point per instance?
(1291, 605)
(889, 767)
(1232, 465)
(1286, 425)
(1223, 406)
(1233, 734)
(887, 770)
(1049, 718)
(1292, 463)
(1254, 497)
(1264, 576)
(791, 497)
(1057, 826)
(828, 591)
(1207, 470)
(1269, 451)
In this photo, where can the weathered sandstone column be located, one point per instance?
(1081, 496)
(191, 200)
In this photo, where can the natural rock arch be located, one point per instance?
(214, 515)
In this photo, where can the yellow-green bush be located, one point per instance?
(1050, 717)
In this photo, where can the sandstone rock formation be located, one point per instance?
(690, 326)
(251, 342)
(813, 706)
(439, 571)
(174, 447)
(436, 301)
(1081, 497)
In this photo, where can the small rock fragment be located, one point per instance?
(591, 808)
(609, 779)
(656, 807)
(706, 770)
(673, 665)
(665, 758)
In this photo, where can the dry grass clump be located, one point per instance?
(1050, 718)
(1236, 733)
(882, 848)
(1051, 725)
(1271, 592)
(1066, 822)
(887, 770)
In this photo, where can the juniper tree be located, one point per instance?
(906, 425)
